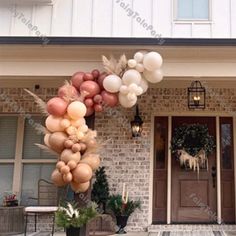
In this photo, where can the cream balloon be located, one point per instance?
(154, 77)
(132, 63)
(138, 57)
(112, 83)
(65, 123)
(125, 102)
(140, 67)
(124, 89)
(76, 110)
(152, 61)
(132, 97)
(53, 123)
(68, 155)
(131, 76)
(46, 139)
(144, 85)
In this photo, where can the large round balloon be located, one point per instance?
(154, 77)
(77, 79)
(82, 173)
(56, 106)
(152, 61)
(112, 83)
(109, 99)
(56, 141)
(90, 88)
(57, 178)
(53, 123)
(131, 76)
(76, 109)
(144, 85)
(80, 188)
(125, 102)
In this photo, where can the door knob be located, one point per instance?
(213, 175)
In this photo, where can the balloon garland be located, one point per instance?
(66, 132)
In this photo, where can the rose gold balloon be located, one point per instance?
(68, 177)
(98, 108)
(95, 73)
(82, 173)
(90, 87)
(68, 155)
(60, 164)
(76, 147)
(88, 102)
(77, 79)
(82, 188)
(68, 143)
(111, 99)
(72, 165)
(97, 99)
(57, 106)
(88, 76)
(92, 160)
(67, 91)
(90, 111)
(56, 141)
(57, 178)
(102, 76)
(65, 169)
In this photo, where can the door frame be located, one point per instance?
(217, 115)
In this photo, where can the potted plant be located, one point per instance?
(73, 218)
(122, 208)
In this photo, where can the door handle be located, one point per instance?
(213, 175)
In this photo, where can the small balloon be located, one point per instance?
(131, 76)
(65, 169)
(68, 143)
(68, 155)
(89, 102)
(95, 73)
(83, 128)
(77, 109)
(125, 102)
(78, 122)
(112, 83)
(76, 147)
(60, 164)
(138, 57)
(88, 76)
(132, 97)
(77, 79)
(57, 178)
(98, 108)
(91, 88)
(68, 177)
(72, 165)
(140, 68)
(110, 99)
(132, 63)
(101, 77)
(124, 89)
(90, 111)
(65, 123)
(97, 99)
(83, 146)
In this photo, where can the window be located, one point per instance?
(22, 164)
(192, 9)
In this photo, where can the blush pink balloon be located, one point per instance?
(77, 79)
(57, 106)
(98, 108)
(90, 111)
(88, 76)
(102, 76)
(95, 73)
(111, 99)
(89, 102)
(90, 87)
(97, 99)
(67, 90)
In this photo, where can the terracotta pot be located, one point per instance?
(121, 222)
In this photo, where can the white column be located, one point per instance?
(169, 172)
(218, 177)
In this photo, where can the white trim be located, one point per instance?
(218, 175)
(39, 161)
(5, 161)
(169, 171)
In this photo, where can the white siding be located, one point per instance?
(110, 18)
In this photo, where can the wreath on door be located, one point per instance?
(191, 144)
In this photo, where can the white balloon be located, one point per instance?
(138, 57)
(140, 67)
(131, 76)
(132, 63)
(133, 87)
(144, 85)
(154, 77)
(132, 96)
(112, 83)
(124, 102)
(124, 89)
(139, 91)
(152, 61)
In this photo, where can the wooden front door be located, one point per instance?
(194, 197)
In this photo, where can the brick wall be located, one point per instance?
(127, 159)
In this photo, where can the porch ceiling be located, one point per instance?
(180, 63)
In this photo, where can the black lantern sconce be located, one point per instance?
(196, 95)
(136, 124)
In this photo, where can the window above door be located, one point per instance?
(192, 10)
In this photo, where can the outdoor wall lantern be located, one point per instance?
(136, 124)
(196, 95)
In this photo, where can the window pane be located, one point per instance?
(6, 179)
(8, 129)
(185, 9)
(201, 9)
(31, 136)
(31, 175)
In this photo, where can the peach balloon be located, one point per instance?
(78, 122)
(65, 123)
(60, 164)
(82, 173)
(76, 147)
(71, 130)
(76, 109)
(46, 139)
(77, 79)
(92, 160)
(91, 88)
(53, 123)
(79, 135)
(83, 146)
(57, 178)
(57, 106)
(68, 143)
(68, 177)
(83, 128)
(56, 141)
(65, 169)
(76, 187)
(68, 155)
(72, 165)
